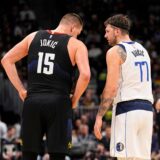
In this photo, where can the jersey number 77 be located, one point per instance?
(143, 67)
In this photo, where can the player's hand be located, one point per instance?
(23, 94)
(97, 127)
(74, 102)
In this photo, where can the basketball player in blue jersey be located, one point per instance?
(128, 89)
(52, 56)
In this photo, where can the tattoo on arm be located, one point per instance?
(104, 106)
(122, 53)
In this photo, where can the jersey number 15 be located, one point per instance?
(45, 63)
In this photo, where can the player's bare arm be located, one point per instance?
(11, 57)
(113, 60)
(104, 105)
(106, 102)
(80, 57)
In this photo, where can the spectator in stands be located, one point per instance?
(3, 128)
(89, 99)
(11, 145)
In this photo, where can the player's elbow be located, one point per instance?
(85, 75)
(4, 61)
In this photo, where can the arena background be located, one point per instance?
(19, 18)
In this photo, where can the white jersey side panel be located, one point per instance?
(135, 81)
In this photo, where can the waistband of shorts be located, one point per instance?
(136, 104)
(48, 94)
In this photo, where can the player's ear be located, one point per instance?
(117, 31)
(72, 28)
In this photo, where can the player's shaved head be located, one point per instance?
(72, 18)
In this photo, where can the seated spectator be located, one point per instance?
(3, 128)
(94, 51)
(11, 146)
(27, 12)
(85, 142)
(85, 138)
(98, 153)
(90, 99)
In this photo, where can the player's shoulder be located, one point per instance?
(28, 39)
(117, 52)
(76, 42)
(32, 34)
(113, 50)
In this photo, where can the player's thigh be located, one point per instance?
(31, 132)
(59, 130)
(145, 132)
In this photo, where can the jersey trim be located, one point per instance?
(130, 42)
(137, 104)
(122, 46)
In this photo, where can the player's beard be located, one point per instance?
(112, 41)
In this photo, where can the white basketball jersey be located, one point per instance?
(135, 81)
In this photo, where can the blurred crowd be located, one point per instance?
(19, 19)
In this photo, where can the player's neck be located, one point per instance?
(124, 38)
(61, 29)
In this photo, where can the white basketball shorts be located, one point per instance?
(131, 131)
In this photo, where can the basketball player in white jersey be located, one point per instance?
(128, 89)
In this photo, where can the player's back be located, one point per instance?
(135, 80)
(49, 65)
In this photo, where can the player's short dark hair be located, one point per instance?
(73, 18)
(119, 20)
